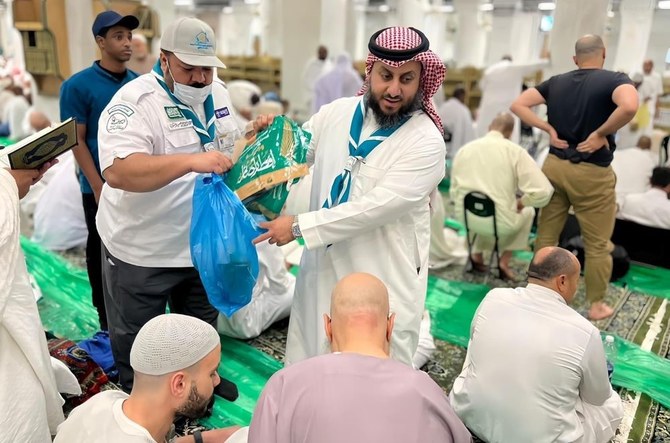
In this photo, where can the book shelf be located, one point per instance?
(45, 41)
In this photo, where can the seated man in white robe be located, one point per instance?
(650, 208)
(535, 370)
(29, 399)
(499, 168)
(356, 393)
(244, 95)
(271, 298)
(457, 121)
(175, 359)
(633, 168)
(58, 218)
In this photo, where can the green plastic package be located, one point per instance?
(269, 165)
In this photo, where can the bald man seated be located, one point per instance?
(535, 370)
(357, 393)
(501, 169)
(175, 359)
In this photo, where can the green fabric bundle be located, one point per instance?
(269, 165)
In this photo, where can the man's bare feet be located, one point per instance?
(508, 275)
(599, 310)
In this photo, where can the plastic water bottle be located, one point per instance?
(610, 354)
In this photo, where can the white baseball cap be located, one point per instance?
(192, 41)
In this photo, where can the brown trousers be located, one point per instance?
(589, 189)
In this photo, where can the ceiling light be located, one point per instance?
(664, 4)
(445, 8)
(251, 2)
(486, 7)
(227, 10)
(384, 8)
(546, 6)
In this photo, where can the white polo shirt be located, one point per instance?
(151, 229)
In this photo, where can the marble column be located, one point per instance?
(272, 27)
(410, 13)
(573, 19)
(301, 22)
(471, 38)
(355, 39)
(634, 33)
(333, 26)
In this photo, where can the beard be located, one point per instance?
(196, 406)
(389, 120)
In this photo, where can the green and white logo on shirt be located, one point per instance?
(173, 112)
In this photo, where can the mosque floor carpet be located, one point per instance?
(639, 318)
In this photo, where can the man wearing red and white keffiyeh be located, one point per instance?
(396, 48)
(377, 157)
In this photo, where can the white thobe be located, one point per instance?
(457, 119)
(15, 112)
(535, 372)
(102, 420)
(59, 221)
(651, 88)
(501, 84)
(651, 208)
(314, 69)
(270, 299)
(499, 168)
(341, 81)
(29, 399)
(384, 228)
(633, 169)
(446, 247)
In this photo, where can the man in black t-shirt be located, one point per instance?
(585, 108)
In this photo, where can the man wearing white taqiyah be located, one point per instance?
(377, 158)
(535, 370)
(175, 358)
(155, 134)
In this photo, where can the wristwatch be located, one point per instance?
(295, 228)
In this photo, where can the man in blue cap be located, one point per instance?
(84, 96)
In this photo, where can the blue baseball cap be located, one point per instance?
(108, 19)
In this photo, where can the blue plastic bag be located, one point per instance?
(222, 251)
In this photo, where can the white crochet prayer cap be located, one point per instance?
(172, 342)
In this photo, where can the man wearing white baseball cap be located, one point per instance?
(155, 135)
(175, 358)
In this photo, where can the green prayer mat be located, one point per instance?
(66, 310)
